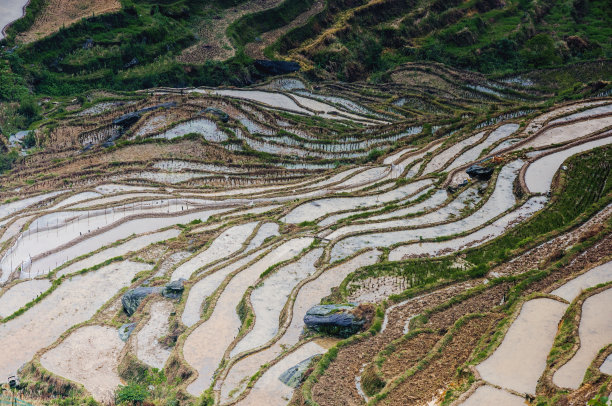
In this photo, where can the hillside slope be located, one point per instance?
(150, 43)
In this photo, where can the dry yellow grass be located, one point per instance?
(59, 13)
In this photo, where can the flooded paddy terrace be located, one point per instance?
(258, 238)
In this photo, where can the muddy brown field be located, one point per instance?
(62, 13)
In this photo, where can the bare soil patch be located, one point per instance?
(428, 383)
(544, 254)
(477, 304)
(337, 385)
(407, 354)
(62, 13)
(89, 356)
(583, 261)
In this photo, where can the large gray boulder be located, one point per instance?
(125, 331)
(133, 297)
(174, 289)
(336, 320)
(294, 376)
(220, 114)
(129, 119)
(480, 172)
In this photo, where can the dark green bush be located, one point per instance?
(29, 140)
(132, 393)
(374, 154)
(29, 108)
(540, 51)
(7, 160)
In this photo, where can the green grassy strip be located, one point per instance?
(588, 187)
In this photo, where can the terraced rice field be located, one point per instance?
(301, 197)
(10, 11)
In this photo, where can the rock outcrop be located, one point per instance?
(174, 289)
(220, 114)
(125, 331)
(294, 376)
(337, 320)
(133, 297)
(480, 172)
